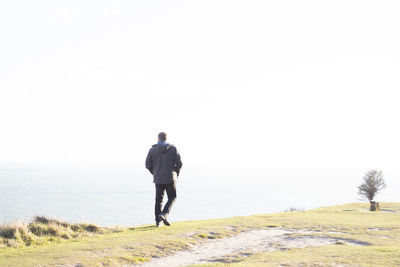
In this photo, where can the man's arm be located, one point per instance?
(149, 162)
(178, 162)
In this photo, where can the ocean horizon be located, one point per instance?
(125, 197)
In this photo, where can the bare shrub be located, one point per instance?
(372, 184)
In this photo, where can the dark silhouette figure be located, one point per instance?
(164, 163)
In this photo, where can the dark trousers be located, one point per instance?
(160, 190)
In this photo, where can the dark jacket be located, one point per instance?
(164, 162)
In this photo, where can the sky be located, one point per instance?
(241, 84)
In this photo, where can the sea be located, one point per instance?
(125, 196)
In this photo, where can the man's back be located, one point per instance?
(164, 162)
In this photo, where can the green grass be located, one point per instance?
(114, 247)
(379, 231)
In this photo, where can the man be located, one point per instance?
(164, 163)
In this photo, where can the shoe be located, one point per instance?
(158, 223)
(163, 217)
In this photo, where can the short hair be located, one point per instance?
(162, 136)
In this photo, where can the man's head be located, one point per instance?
(162, 137)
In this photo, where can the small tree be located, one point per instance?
(372, 183)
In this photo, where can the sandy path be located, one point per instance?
(243, 244)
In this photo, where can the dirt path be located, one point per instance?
(244, 244)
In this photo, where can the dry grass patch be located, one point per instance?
(43, 230)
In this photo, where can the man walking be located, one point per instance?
(164, 163)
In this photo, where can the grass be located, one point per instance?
(43, 230)
(379, 232)
(90, 245)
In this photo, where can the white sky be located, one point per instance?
(255, 84)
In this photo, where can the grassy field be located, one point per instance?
(378, 231)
